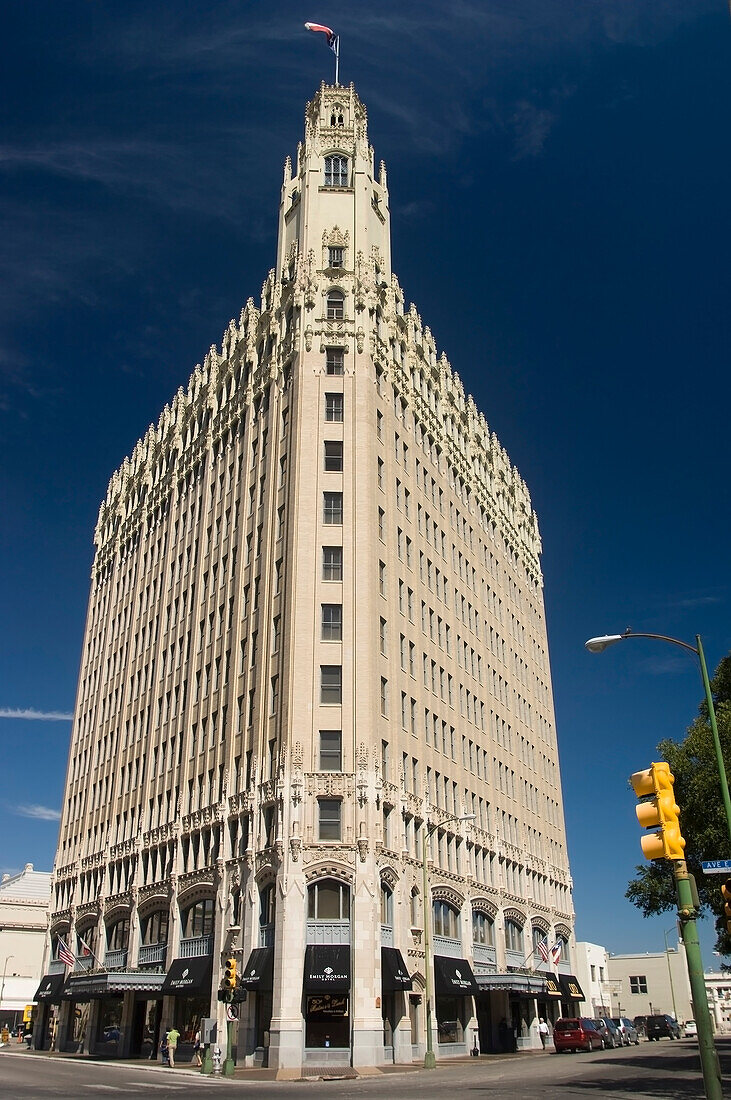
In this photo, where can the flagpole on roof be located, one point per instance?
(337, 59)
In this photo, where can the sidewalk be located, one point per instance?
(248, 1073)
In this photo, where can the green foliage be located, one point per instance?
(703, 821)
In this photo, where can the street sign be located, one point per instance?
(717, 867)
(232, 1012)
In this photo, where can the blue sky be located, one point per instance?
(559, 178)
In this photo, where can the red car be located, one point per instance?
(571, 1033)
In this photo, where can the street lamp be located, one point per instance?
(598, 645)
(430, 1061)
(2, 984)
(670, 969)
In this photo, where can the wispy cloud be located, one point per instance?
(35, 715)
(40, 813)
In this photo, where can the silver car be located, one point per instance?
(627, 1030)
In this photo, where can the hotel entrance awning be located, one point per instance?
(394, 975)
(189, 977)
(258, 974)
(571, 989)
(327, 968)
(49, 991)
(453, 977)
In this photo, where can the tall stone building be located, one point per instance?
(315, 650)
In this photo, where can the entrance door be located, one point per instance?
(484, 1024)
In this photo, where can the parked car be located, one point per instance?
(607, 1030)
(690, 1030)
(627, 1030)
(573, 1033)
(662, 1024)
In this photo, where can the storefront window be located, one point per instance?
(449, 1019)
(189, 1011)
(110, 1023)
(327, 1023)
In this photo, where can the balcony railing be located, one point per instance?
(484, 954)
(445, 945)
(85, 962)
(55, 966)
(198, 945)
(116, 958)
(266, 935)
(515, 959)
(386, 935)
(328, 931)
(152, 953)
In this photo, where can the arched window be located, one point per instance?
(328, 900)
(513, 936)
(482, 926)
(386, 905)
(336, 171)
(267, 904)
(445, 919)
(335, 305)
(155, 927)
(118, 935)
(198, 919)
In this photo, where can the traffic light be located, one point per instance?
(229, 975)
(726, 891)
(659, 811)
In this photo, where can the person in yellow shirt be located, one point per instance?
(172, 1037)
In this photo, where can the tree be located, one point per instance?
(703, 821)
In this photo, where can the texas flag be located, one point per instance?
(556, 952)
(332, 38)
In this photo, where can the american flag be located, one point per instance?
(65, 953)
(556, 952)
(542, 948)
(332, 38)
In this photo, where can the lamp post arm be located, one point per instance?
(662, 638)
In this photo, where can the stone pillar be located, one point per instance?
(65, 1025)
(92, 1026)
(286, 1033)
(125, 1026)
(365, 994)
(402, 1053)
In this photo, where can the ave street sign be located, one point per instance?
(717, 867)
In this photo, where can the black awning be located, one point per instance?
(394, 975)
(454, 977)
(259, 970)
(553, 987)
(188, 976)
(327, 968)
(49, 991)
(571, 989)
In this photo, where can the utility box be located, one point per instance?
(208, 1030)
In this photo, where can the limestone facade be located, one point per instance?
(315, 631)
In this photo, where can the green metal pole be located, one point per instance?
(687, 914)
(228, 1064)
(430, 1061)
(714, 731)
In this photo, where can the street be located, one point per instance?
(663, 1071)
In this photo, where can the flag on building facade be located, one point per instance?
(542, 948)
(556, 953)
(65, 953)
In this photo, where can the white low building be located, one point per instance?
(24, 902)
(592, 970)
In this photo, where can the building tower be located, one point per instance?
(315, 644)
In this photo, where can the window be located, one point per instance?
(382, 577)
(155, 927)
(334, 357)
(328, 900)
(333, 455)
(513, 936)
(332, 563)
(482, 928)
(336, 171)
(198, 919)
(267, 906)
(334, 408)
(386, 905)
(637, 983)
(118, 935)
(383, 637)
(445, 920)
(331, 751)
(329, 812)
(384, 697)
(335, 309)
(332, 509)
(335, 257)
(331, 684)
(332, 622)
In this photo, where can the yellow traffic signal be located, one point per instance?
(229, 976)
(726, 892)
(659, 810)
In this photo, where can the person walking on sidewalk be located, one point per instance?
(543, 1032)
(172, 1037)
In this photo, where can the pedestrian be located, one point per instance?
(172, 1038)
(164, 1049)
(543, 1032)
(197, 1048)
